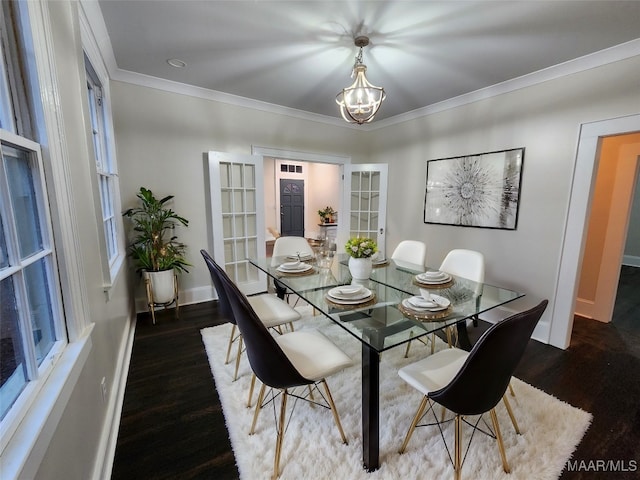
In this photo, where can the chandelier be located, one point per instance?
(360, 102)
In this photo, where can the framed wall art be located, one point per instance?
(480, 190)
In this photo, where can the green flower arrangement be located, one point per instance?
(359, 247)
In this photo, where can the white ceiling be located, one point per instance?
(299, 54)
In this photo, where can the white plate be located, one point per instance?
(442, 304)
(379, 261)
(420, 302)
(350, 301)
(443, 278)
(303, 256)
(302, 268)
(348, 293)
(291, 265)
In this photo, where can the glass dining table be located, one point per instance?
(385, 320)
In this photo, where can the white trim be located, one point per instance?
(586, 62)
(109, 438)
(631, 261)
(72, 275)
(587, 157)
(28, 445)
(593, 60)
(302, 156)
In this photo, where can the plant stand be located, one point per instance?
(152, 304)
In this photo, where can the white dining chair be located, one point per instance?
(410, 251)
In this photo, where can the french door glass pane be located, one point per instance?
(23, 200)
(35, 276)
(13, 370)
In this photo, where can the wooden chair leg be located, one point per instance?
(251, 387)
(414, 422)
(334, 410)
(511, 415)
(238, 356)
(280, 437)
(457, 461)
(258, 408)
(231, 340)
(494, 420)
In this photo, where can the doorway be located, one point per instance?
(563, 306)
(609, 221)
(292, 207)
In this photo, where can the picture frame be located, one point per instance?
(480, 190)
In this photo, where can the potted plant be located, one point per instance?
(326, 214)
(156, 251)
(360, 250)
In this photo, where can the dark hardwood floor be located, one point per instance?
(172, 425)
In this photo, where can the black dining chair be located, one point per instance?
(273, 312)
(295, 359)
(472, 383)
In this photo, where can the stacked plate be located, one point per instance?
(379, 261)
(350, 294)
(436, 303)
(433, 278)
(303, 257)
(294, 267)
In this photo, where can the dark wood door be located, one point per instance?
(292, 207)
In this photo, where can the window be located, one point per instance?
(30, 312)
(104, 164)
(42, 345)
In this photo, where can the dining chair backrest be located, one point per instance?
(267, 360)
(485, 375)
(464, 263)
(411, 251)
(290, 246)
(224, 307)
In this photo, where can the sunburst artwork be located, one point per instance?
(476, 190)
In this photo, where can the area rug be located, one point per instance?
(551, 429)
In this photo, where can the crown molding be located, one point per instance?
(587, 62)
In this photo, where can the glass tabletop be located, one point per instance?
(385, 319)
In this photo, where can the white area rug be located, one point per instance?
(312, 449)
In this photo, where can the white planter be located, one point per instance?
(161, 285)
(360, 268)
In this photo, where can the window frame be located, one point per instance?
(26, 435)
(96, 73)
(35, 373)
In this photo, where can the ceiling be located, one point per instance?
(299, 54)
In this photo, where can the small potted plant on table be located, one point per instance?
(327, 214)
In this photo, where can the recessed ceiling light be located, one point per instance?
(174, 62)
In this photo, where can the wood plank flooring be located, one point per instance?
(172, 425)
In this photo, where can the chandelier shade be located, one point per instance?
(360, 102)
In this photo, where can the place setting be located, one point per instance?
(302, 257)
(434, 279)
(379, 260)
(347, 296)
(295, 268)
(426, 306)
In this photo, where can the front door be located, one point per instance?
(292, 207)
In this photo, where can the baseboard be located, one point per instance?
(631, 261)
(109, 438)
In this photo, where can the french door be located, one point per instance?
(237, 212)
(365, 196)
(237, 216)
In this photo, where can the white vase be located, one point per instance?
(162, 285)
(360, 268)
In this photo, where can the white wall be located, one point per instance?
(160, 141)
(545, 119)
(632, 246)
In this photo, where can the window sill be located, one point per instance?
(25, 450)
